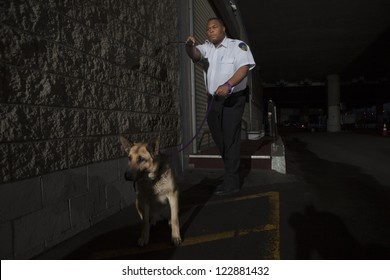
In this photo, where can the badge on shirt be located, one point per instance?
(243, 46)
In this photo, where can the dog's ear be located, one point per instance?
(154, 146)
(126, 144)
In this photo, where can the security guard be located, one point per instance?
(226, 63)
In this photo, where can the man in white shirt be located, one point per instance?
(226, 63)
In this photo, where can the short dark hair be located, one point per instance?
(218, 19)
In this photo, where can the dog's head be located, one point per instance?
(143, 159)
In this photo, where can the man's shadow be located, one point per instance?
(324, 235)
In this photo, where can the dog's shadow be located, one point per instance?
(122, 243)
(195, 198)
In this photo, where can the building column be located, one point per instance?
(333, 85)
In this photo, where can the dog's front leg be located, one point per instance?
(144, 239)
(175, 225)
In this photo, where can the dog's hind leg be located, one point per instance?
(144, 239)
(175, 225)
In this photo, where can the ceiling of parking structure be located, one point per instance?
(303, 41)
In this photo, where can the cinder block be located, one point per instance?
(129, 122)
(111, 98)
(60, 186)
(19, 123)
(71, 9)
(53, 188)
(95, 122)
(99, 70)
(93, 15)
(46, 23)
(77, 119)
(80, 151)
(93, 95)
(35, 158)
(76, 181)
(19, 198)
(6, 241)
(103, 173)
(33, 17)
(120, 193)
(32, 230)
(97, 197)
(60, 59)
(5, 170)
(18, 48)
(74, 34)
(31, 87)
(76, 93)
(48, 89)
(112, 147)
(56, 122)
(81, 211)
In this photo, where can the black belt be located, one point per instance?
(224, 97)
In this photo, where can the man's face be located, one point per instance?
(215, 31)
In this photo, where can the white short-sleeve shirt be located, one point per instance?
(220, 64)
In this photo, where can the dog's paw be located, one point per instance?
(176, 241)
(142, 242)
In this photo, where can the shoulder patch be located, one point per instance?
(243, 46)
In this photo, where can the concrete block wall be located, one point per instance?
(74, 74)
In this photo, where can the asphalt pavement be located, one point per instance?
(333, 203)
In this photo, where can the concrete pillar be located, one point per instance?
(333, 84)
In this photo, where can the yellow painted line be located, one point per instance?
(274, 252)
(190, 241)
(244, 197)
(275, 218)
(233, 199)
(226, 235)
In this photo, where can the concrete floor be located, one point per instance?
(333, 203)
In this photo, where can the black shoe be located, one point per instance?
(221, 190)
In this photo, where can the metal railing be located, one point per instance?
(272, 121)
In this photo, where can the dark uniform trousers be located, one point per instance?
(224, 121)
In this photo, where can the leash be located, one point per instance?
(198, 131)
(192, 139)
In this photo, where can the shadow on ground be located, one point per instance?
(352, 222)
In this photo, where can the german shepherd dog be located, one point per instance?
(156, 186)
